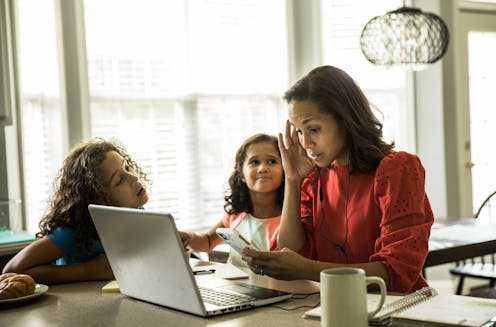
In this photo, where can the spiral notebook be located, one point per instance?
(403, 303)
(428, 308)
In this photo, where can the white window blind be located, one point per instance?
(182, 86)
(181, 83)
(225, 124)
(386, 89)
(40, 107)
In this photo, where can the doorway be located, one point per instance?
(478, 109)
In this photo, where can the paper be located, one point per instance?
(445, 309)
(372, 303)
(111, 287)
(455, 310)
(222, 270)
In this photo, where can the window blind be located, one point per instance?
(181, 83)
(208, 75)
(40, 105)
(387, 89)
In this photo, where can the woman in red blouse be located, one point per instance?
(350, 199)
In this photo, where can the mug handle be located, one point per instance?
(379, 281)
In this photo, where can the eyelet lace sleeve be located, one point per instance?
(406, 220)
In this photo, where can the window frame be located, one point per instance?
(302, 19)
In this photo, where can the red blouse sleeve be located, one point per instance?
(406, 220)
(307, 220)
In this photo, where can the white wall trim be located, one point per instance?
(74, 79)
(304, 30)
(11, 161)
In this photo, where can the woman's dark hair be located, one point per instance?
(238, 200)
(337, 94)
(78, 184)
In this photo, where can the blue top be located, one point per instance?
(63, 238)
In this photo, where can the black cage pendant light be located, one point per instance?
(405, 37)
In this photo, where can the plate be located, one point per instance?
(39, 290)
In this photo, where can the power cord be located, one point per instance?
(299, 297)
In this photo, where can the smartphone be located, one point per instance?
(237, 241)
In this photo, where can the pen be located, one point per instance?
(490, 323)
(204, 272)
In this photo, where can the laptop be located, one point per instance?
(150, 263)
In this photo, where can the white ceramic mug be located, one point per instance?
(343, 297)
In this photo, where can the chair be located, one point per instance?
(473, 269)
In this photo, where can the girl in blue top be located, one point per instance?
(68, 248)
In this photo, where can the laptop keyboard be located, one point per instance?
(220, 298)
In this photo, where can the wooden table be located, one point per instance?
(83, 304)
(460, 239)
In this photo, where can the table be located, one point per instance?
(460, 239)
(83, 304)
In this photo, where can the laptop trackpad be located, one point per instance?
(253, 291)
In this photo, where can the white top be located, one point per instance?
(254, 230)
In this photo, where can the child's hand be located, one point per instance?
(186, 238)
(99, 268)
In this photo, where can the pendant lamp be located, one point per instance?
(405, 37)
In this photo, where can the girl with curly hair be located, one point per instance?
(67, 248)
(253, 206)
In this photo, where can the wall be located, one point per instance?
(430, 125)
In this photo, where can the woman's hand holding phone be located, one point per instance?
(237, 241)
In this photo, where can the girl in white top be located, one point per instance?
(253, 206)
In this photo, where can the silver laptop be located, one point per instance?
(150, 264)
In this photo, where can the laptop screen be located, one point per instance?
(147, 256)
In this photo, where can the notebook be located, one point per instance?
(428, 308)
(150, 264)
(11, 237)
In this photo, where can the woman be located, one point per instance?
(350, 199)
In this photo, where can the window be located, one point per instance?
(386, 89)
(40, 104)
(482, 78)
(181, 83)
(207, 75)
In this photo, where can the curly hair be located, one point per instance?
(238, 197)
(337, 94)
(78, 184)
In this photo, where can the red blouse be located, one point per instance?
(379, 216)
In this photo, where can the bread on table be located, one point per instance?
(14, 285)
